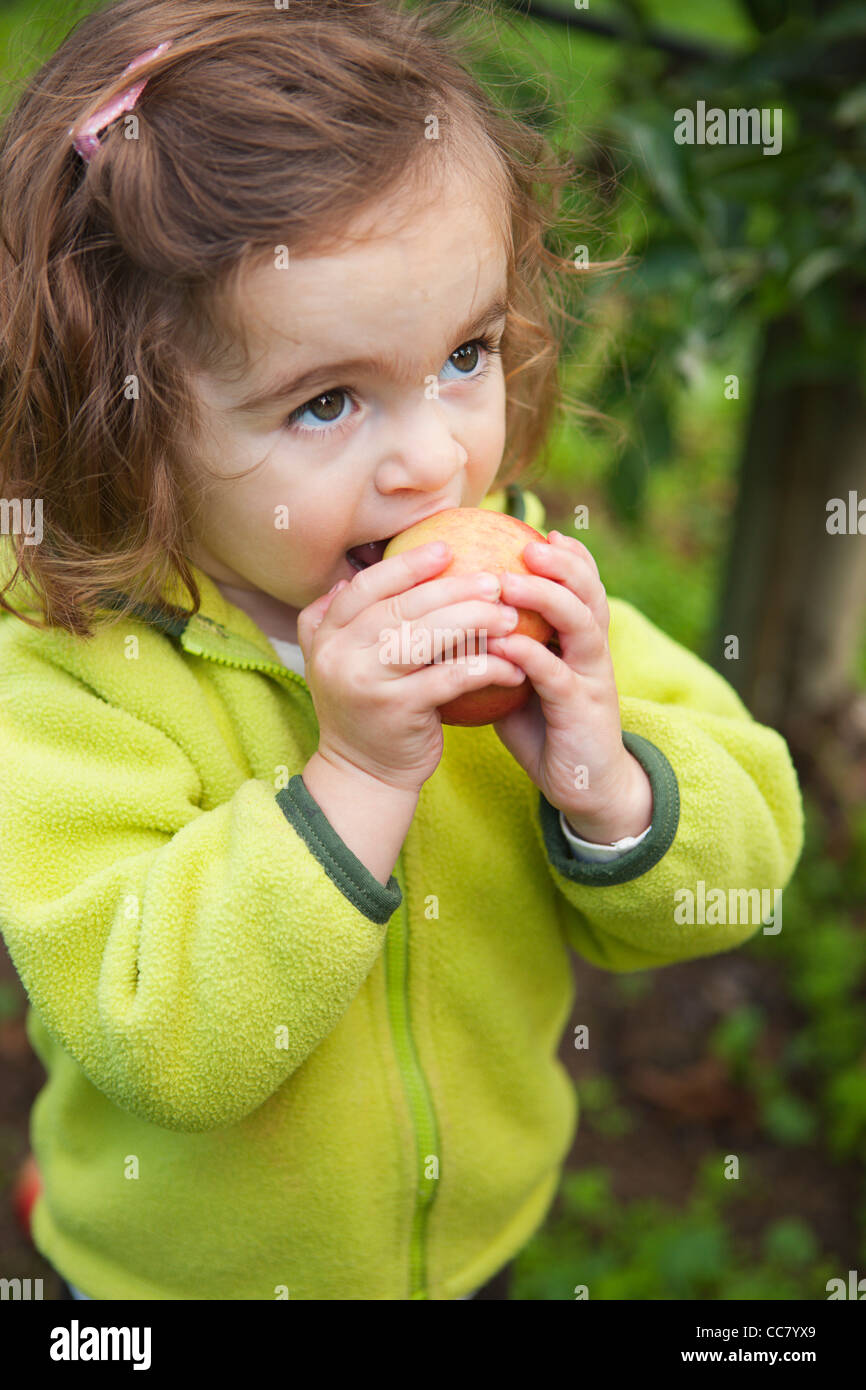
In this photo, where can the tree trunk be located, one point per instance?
(794, 594)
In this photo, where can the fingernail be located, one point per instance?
(438, 548)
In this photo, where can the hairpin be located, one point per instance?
(86, 138)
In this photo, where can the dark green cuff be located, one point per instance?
(377, 901)
(642, 857)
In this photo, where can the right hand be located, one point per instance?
(378, 717)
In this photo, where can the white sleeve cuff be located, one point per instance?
(585, 849)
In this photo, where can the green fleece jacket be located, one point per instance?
(268, 1074)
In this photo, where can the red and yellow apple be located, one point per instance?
(480, 540)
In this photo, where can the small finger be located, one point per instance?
(390, 577)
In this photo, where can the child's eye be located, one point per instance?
(468, 358)
(331, 403)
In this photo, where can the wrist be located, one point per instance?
(626, 813)
(371, 817)
(329, 769)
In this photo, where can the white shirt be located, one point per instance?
(291, 656)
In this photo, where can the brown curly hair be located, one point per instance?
(258, 126)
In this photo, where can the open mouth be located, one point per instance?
(361, 557)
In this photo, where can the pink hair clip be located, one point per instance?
(86, 139)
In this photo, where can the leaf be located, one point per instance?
(846, 1100)
(844, 22)
(587, 1194)
(851, 110)
(613, 1123)
(791, 1242)
(595, 1092)
(692, 1257)
(788, 1119)
(816, 267)
(766, 15)
(663, 167)
(735, 1037)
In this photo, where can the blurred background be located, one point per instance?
(728, 363)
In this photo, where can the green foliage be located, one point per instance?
(645, 1250)
(784, 1115)
(735, 1036)
(788, 1119)
(598, 1105)
(846, 1111)
(790, 1242)
(723, 238)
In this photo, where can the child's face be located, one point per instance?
(395, 453)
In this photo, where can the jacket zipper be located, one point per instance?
(269, 667)
(397, 996)
(420, 1104)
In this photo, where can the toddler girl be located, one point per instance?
(297, 956)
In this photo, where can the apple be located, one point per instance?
(480, 540)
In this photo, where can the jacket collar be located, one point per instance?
(219, 631)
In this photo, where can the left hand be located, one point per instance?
(571, 720)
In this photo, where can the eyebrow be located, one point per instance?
(276, 391)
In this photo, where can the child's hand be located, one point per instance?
(381, 716)
(571, 720)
